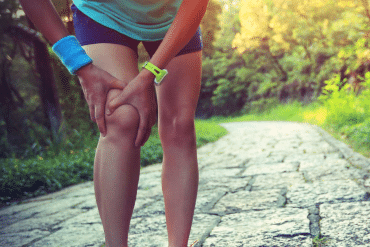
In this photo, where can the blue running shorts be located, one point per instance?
(90, 32)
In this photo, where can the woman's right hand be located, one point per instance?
(96, 84)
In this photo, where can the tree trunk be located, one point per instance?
(48, 91)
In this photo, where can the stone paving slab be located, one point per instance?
(277, 181)
(304, 157)
(229, 183)
(248, 200)
(267, 160)
(153, 232)
(204, 203)
(271, 227)
(22, 238)
(321, 164)
(346, 224)
(74, 236)
(271, 168)
(208, 173)
(41, 223)
(317, 147)
(264, 184)
(308, 194)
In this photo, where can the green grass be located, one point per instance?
(288, 112)
(319, 242)
(350, 127)
(206, 131)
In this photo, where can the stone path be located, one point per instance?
(264, 184)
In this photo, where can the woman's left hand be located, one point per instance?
(139, 93)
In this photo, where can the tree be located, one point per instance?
(311, 31)
(210, 26)
(229, 25)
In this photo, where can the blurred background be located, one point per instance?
(290, 60)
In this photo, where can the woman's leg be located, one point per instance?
(177, 101)
(117, 160)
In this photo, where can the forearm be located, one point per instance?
(43, 14)
(181, 31)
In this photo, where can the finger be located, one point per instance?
(142, 129)
(117, 84)
(153, 120)
(100, 119)
(147, 135)
(92, 112)
(115, 103)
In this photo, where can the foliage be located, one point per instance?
(74, 107)
(207, 131)
(55, 167)
(210, 26)
(347, 110)
(277, 50)
(319, 242)
(8, 9)
(344, 106)
(229, 25)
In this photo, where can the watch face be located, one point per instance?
(163, 74)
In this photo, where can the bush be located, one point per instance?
(344, 106)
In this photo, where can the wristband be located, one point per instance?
(159, 73)
(71, 53)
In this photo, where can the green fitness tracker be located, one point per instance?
(159, 73)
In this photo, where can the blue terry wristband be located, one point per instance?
(71, 53)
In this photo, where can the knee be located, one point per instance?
(179, 130)
(124, 121)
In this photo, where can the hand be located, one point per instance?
(95, 84)
(140, 94)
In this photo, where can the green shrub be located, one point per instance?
(344, 106)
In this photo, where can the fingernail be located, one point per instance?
(108, 111)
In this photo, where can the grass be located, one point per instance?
(355, 134)
(319, 242)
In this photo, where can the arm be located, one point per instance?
(43, 14)
(182, 29)
(95, 82)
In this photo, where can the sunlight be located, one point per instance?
(317, 116)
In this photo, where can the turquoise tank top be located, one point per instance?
(144, 20)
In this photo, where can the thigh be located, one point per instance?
(178, 94)
(121, 62)
(118, 60)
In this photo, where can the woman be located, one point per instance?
(122, 100)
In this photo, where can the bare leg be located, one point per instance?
(117, 160)
(177, 100)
